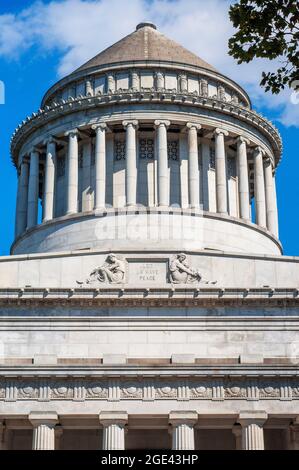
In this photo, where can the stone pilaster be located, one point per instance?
(270, 196)
(43, 429)
(159, 81)
(237, 432)
(294, 434)
(113, 423)
(193, 167)
(243, 186)
(135, 80)
(182, 429)
(131, 162)
(183, 83)
(163, 174)
(252, 429)
(3, 436)
(220, 164)
(22, 199)
(100, 166)
(72, 168)
(259, 188)
(48, 210)
(33, 188)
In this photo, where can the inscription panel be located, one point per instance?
(147, 271)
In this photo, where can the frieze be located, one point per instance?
(44, 389)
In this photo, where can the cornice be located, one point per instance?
(84, 103)
(168, 296)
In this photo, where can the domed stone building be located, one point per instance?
(146, 302)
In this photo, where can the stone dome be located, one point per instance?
(146, 44)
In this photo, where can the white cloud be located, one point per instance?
(79, 29)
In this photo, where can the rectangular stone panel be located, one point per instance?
(147, 271)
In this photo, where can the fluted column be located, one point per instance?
(22, 199)
(72, 168)
(271, 206)
(193, 167)
(43, 430)
(259, 188)
(113, 423)
(49, 180)
(100, 166)
(33, 188)
(220, 164)
(163, 174)
(182, 428)
(131, 162)
(252, 429)
(243, 186)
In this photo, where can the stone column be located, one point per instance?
(237, 432)
(163, 174)
(100, 166)
(49, 180)
(22, 199)
(43, 429)
(72, 168)
(113, 423)
(271, 206)
(33, 189)
(131, 162)
(220, 166)
(86, 177)
(182, 427)
(294, 434)
(275, 205)
(243, 186)
(3, 436)
(193, 168)
(252, 429)
(259, 188)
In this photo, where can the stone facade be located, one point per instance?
(147, 307)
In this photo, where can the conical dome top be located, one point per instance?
(146, 44)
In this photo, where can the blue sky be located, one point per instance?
(41, 41)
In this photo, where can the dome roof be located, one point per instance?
(145, 44)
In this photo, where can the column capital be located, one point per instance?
(36, 150)
(242, 140)
(183, 417)
(71, 133)
(252, 417)
(192, 125)
(37, 418)
(133, 123)
(113, 417)
(237, 430)
(101, 126)
(258, 150)
(159, 123)
(219, 131)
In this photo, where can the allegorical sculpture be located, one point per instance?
(181, 273)
(112, 271)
